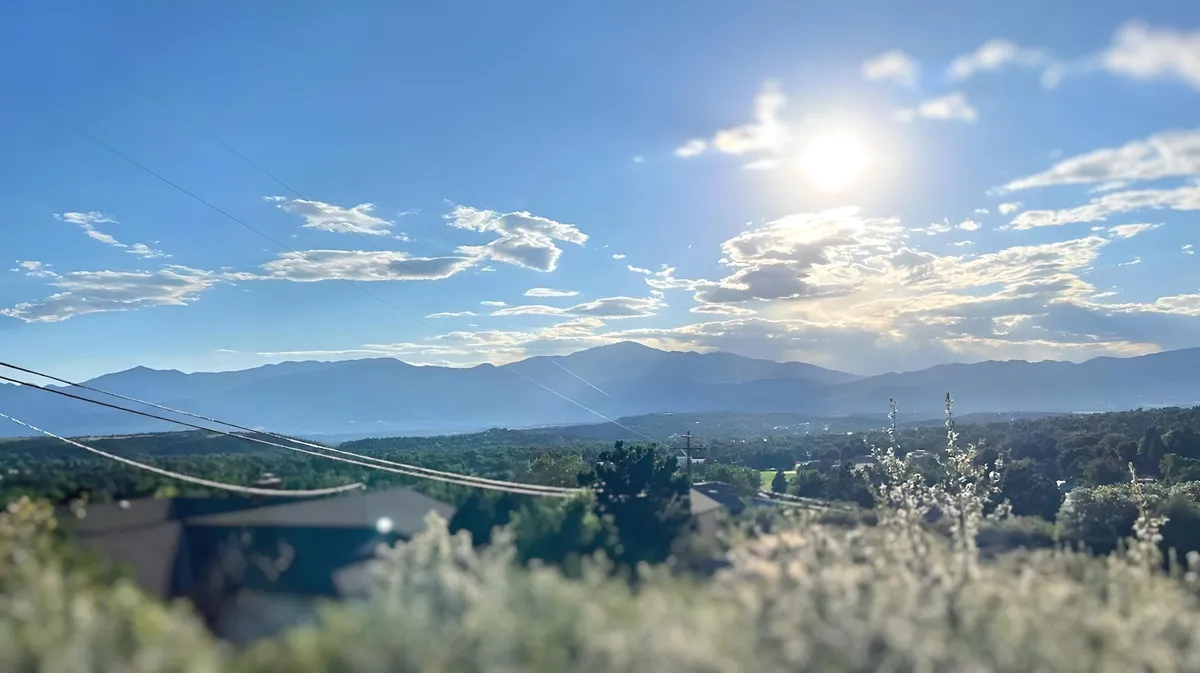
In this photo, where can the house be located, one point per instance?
(708, 499)
(681, 457)
(252, 566)
(705, 512)
(725, 494)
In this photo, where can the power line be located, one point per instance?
(76, 128)
(149, 171)
(498, 482)
(158, 176)
(462, 480)
(248, 490)
(211, 135)
(587, 382)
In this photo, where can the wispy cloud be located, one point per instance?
(952, 106)
(606, 308)
(1099, 209)
(1140, 51)
(1162, 155)
(766, 134)
(84, 292)
(358, 219)
(994, 55)
(309, 266)
(549, 292)
(523, 240)
(893, 65)
(691, 148)
(88, 221)
(1131, 230)
(35, 269)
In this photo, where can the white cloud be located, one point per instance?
(145, 251)
(548, 292)
(638, 269)
(1188, 249)
(1185, 198)
(333, 218)
(893, 65)
(491, 302)
(1009, 208)
(1110, 186)
(525, 240)
(1131, 230)
(88, 221)
(618, 256)
(801, 255)
(606, 308)
(981, 211)
(691, 148)
(952, 106)
(994, 55)
(360, 265)
(766, 134)
(1135, 260)
(963, 244)
(452, 314)
(35, 269)
(969, 225)
(83, 292)
(1162, 155)
(637, 159)
(1140, 51)
(721, 309)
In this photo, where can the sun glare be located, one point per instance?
(833, 161)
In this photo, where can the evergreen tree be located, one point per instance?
(780, 483)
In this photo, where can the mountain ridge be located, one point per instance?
(380, 396)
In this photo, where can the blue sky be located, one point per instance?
(861, 185)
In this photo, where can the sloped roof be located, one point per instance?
(404, 508)
(173, 545)
(702, 503)
(724, 494)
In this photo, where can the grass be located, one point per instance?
(767, 476)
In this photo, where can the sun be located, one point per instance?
(834, 161)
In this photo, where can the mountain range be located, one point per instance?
(384, 396)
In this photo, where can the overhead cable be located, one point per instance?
(247, 490)
(149, 171)
(499, 482)
(461, 480)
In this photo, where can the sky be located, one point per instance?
(867, 186)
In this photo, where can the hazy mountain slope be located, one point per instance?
(384, 396)
(1101, 384)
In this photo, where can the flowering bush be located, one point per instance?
(805, 596)
(56, 617)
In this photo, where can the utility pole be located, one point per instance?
(687, 436)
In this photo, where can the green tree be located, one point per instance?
(1183, 442)
(482, 512)
(808, 484)
(1029, 491)
(1151, 450)
(641, 493)
(780, 483)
